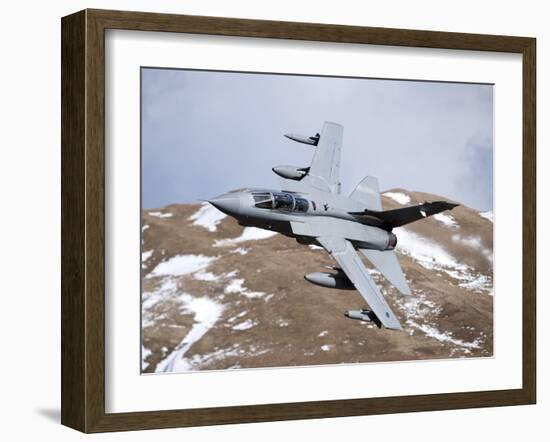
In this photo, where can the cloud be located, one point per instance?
(204, 133)
(477, 167)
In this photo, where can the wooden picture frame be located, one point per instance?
(83, 220)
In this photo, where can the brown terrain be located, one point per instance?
(217, 296)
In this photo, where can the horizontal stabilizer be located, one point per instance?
(386, 262)
(388, 219)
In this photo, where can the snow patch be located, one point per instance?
(198, 362)
(427, 253)
(445, 219)
(432, 256)
(180, 265)
(245, 325)
(488, 215)
(249, 234)
(240, 315)
(323, 333)
(208, 217)
(145, 353)
(149, 299)
(326, 347)
(236, 286)
(478, 283)
(241, 251)
(161, 215)
(445, 338)
(211, 277)
(314, 247)
(144, 228)
(418, 310)
(399, 197)
(474, 242)
(146, 255)
(206, 313)
(418, 306)
(206, 276)
(373, 272)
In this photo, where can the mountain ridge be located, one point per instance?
(216, 295)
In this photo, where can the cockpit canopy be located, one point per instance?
(280, 200)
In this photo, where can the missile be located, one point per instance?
(291, 172)
(312, 141)
(330, 280)
(363, 315)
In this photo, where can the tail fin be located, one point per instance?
(388, 219)
(368, 193)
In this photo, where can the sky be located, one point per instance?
(206, 132)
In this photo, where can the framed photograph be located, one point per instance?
(271, 220)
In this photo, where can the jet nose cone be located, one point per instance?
(229, 203)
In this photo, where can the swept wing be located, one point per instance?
(389, 219)
(344, 253)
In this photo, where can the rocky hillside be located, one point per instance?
(217, 296)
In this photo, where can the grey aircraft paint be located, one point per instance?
(310, 208)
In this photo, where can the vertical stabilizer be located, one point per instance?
(368, 194)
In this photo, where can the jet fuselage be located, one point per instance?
(277, 210)
(310, 207)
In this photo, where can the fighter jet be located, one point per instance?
(310, 208)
